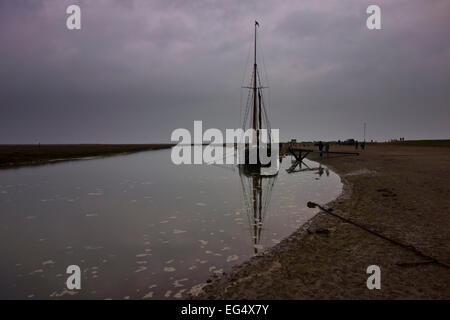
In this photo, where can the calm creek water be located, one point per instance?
(140, 227)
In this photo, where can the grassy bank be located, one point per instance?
(423, 143)
(396, 206)
(22, 155)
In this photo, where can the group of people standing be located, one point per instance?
(321, 145)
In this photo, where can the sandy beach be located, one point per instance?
(396, 214)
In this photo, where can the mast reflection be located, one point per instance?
(257, 192)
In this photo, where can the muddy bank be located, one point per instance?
(399, 192)
(25, 155)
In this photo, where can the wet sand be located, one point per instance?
(25, 155)
(401, 193)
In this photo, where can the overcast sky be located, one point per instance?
(137, 70)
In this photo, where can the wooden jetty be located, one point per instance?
(303, 153)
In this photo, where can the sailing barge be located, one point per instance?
(258, 120)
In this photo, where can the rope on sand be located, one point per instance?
(430, 259)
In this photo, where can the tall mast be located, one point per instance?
(254, 85)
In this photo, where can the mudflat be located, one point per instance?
(401, 194)
(24, 155)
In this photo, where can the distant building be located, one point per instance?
(292, 142)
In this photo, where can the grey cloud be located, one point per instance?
(138, 69)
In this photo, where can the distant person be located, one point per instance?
(320, 144)
(327, 148)
(363, 145)
(356, 145)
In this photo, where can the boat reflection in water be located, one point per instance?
(257, 189)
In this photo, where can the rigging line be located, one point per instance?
(243, 79)
(267, 201)
(265, 113)
(269, 192)
(247, 108)
(246, 112)
(247, 103)
(266, 76)
(247, 204)
(261, 58)
(260, 91)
